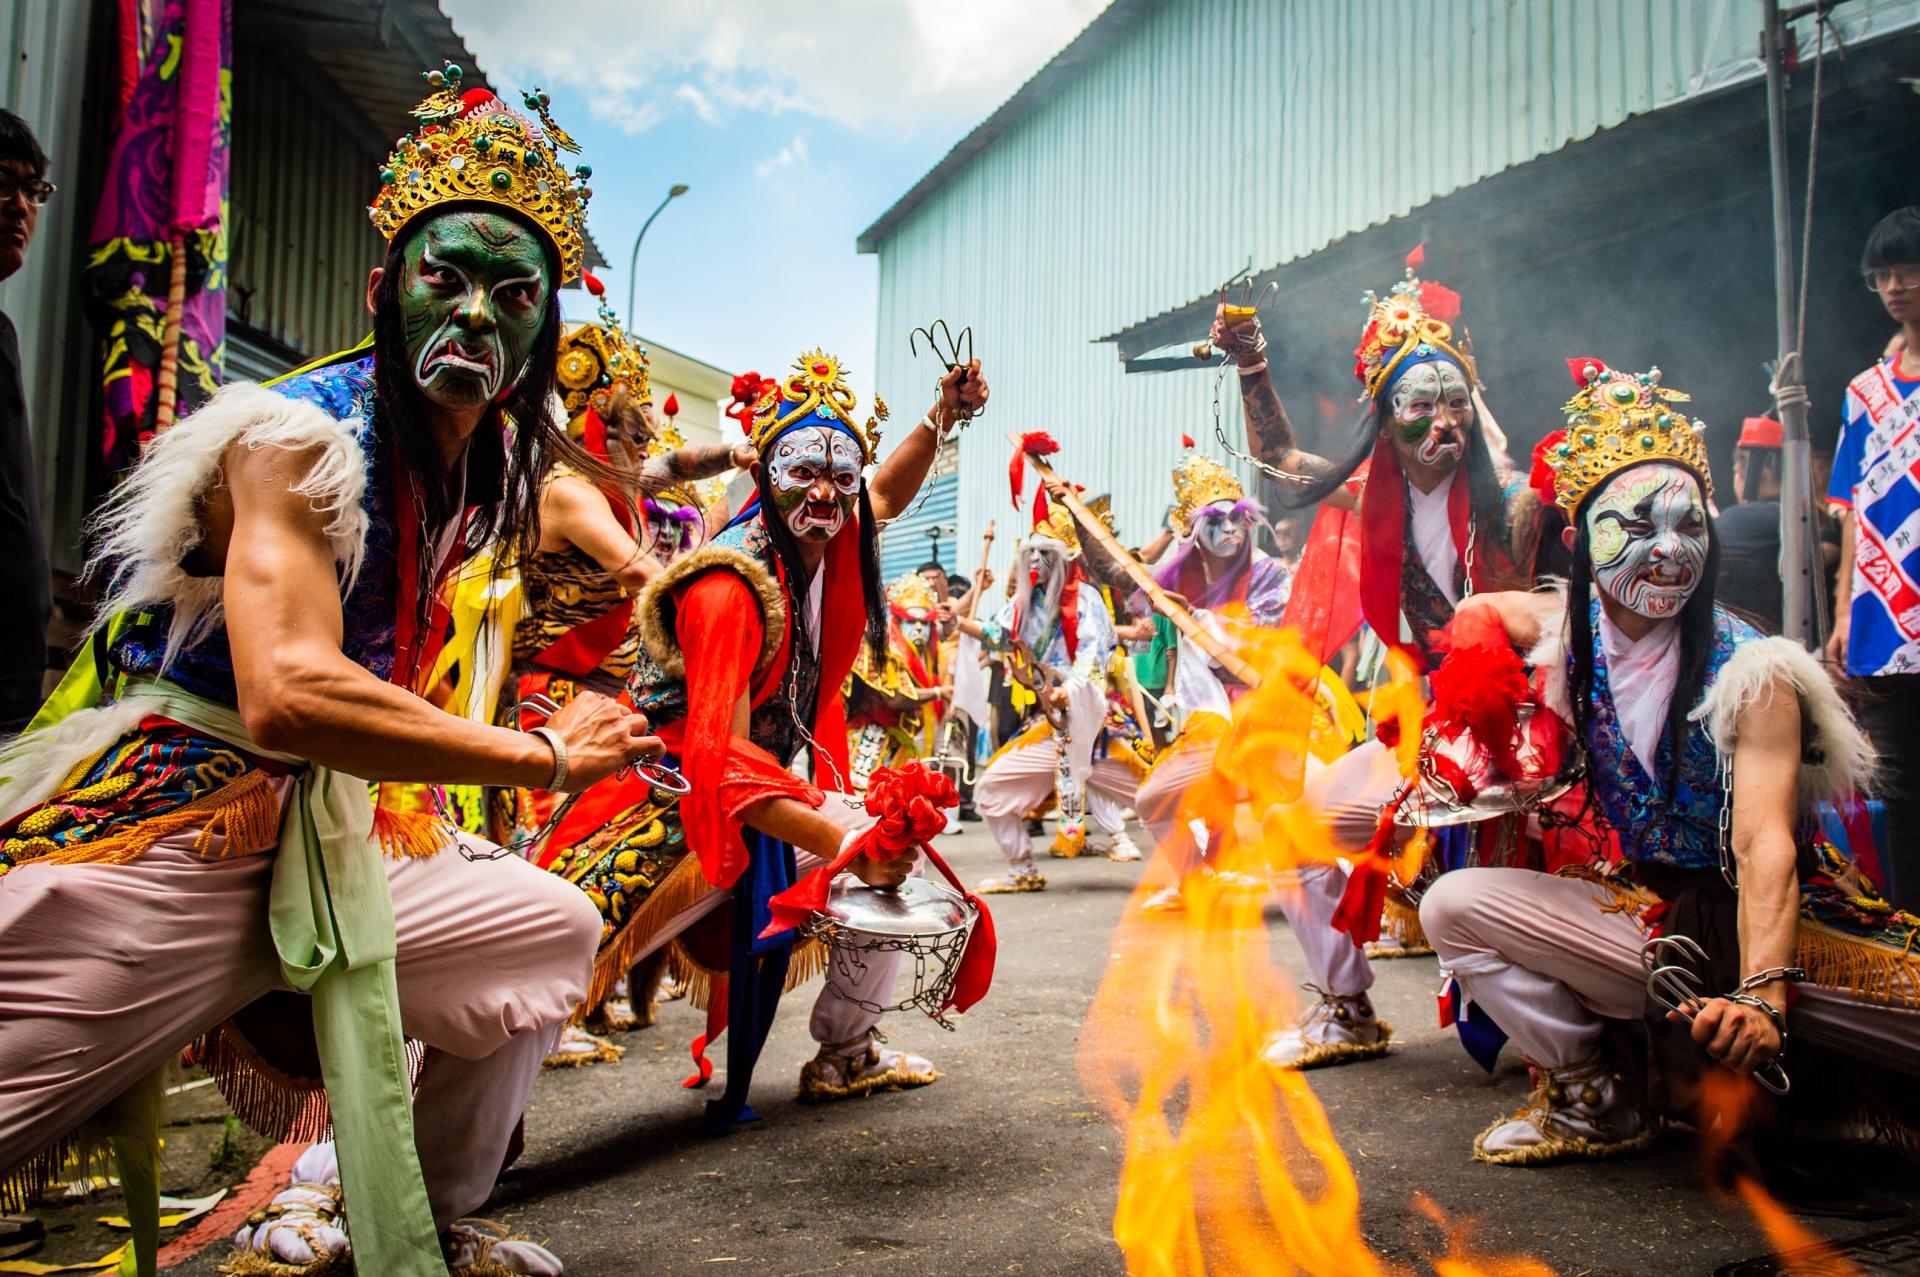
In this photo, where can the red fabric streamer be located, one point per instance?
(1360, 907)
(908, 801)
(1577, 368)
(1324, 606)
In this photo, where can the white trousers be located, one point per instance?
(1538, 953)
(1020, 778)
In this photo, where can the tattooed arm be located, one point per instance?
(1269, 429)
(684, 465)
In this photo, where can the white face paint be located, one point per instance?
(1220, 530)
(815, 474)
(915, 632)
(1647, 532)
(1432, 407)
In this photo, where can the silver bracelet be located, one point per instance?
(1792, 975)
(558, 744)
(1250, 370)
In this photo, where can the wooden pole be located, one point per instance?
(167, 378)
(1090, 526)
(986, 548)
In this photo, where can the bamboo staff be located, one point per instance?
(167, 378)
(986, 549)
(1091, 527)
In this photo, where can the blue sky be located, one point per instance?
(794, 124)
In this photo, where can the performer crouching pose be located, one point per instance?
(199, 836)
(893, 705)
(745, 643)
(1708, 747)
(1058, 633)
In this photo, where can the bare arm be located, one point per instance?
(575, 512)
(1766, 769)
(1152, 550)
(1521, 613)
(686, 465)
(299, 694)
(1269, 430)
(1843, 606)
(893, 486)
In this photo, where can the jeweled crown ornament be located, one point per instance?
(471, 148)
(1060, 526)
(910, 598)
(817, 387)
(1200, 481)
(1617, 419)
(1413, 321)
(598, 359)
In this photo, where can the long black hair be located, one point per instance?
(1696, 637)
(519, 436)
(786, 547)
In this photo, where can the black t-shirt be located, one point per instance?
(1750, 562)
(24, 577)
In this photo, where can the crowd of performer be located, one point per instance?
(444, 712)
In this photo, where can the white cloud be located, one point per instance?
(899, 64)
(792, 155)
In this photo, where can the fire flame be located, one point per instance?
(1231, 1166)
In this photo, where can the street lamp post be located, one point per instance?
(674, 192)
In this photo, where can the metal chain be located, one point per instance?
(1220, 433)
(1727, 868)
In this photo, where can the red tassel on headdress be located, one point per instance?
(672, 406)
(1417, 258)
(1186, 440)
(592, 283)
(1040, 444)
(473, 99)
(1040, 508)
(1439, 301)
(1540, 478)
(1578, 367)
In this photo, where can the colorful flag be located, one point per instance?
(165, 200)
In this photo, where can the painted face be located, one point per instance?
(473, 296)
(815, 473)
(1221, 530)
(1432, 408)
(1647, 530)
(915, 631)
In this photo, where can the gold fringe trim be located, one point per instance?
(23, 1186)
(604, 1052)
(1136, 756)
(245, 811)
(1324, 1054)
(1065, 847)
(816, 1090)
(277, 1105)
(683, 886)
(1556, 1147)
(1841, 961)
(1011, 884)
(1401, 921)
(251, 1263)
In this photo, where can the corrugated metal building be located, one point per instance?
(319, 94)
(1590, 174)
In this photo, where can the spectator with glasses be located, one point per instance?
(24, 575)
(1876, 485)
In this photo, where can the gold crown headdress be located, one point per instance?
(596, 359)
(1413, 321)
(911, 598)
(817, 388)
(1060, 526)
(1618, 419)
(471, 148)
(1200, 481)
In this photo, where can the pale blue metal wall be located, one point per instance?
(1211, 135)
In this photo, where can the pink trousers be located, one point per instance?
(1548, 965)
(1022, 777)
(106, 971)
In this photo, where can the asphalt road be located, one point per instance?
(1007, 1166)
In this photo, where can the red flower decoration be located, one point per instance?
(746, 387)
(1439, 301)
(1540, 478)
(908, 800)
(672, 406)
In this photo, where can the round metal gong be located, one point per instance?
(917, 907)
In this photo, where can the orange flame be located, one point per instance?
(1231, 1166)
